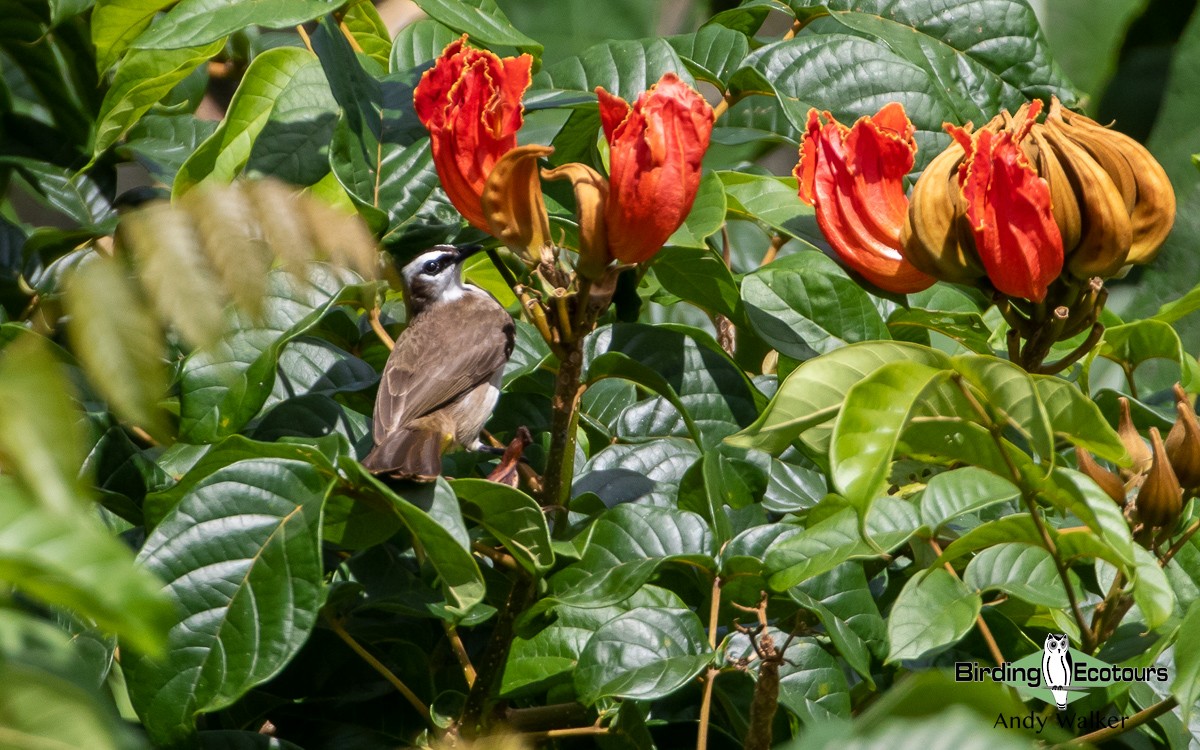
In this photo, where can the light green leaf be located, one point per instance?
(115, 23)
(194, 22)
(933, 610)
(705, 218)
(954, 493)
(482, 19)
(143, 78)
(1025, 572)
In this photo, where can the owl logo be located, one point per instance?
(1057, 668)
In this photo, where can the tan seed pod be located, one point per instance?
(1160, 500)
(1108, 481)
(1132, 440)
(1183, 446)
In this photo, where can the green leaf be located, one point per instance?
(967, 329)
(1009, 393)
(771, 200)
(162, 143)
(699, 276)
(1132, 344)
(706, 217)
(824, 545)
(1086, 38)
(869, 425)
(621, 473)
(843, 604)
(805, 305)
(933, 610)
(143, 78)
(418, 43)
(811, 682)
(624, 67)
(63, 558)
(431, 513)
(224, 385)
(955, 493)
(514, 518)
(811, 396)
(1151, 590)
(482, 19)
(40, 436)
(620, 365)
(644, 654)
(633, 532)
(1076, 418)
(50, 700)
(953, 63)
(115, 23)
(83, 197)
(724, 477)
(1186, 685)
(712, 53)
(1020, 570)
(118, 342)
(713, 390)
(265, 93)
(369, 30)
(195, 22)
(550, 657)
(241, 556)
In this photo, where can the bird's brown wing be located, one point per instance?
(453, 349)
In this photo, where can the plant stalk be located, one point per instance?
(560, 464)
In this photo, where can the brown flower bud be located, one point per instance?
(512, 202)
(1108, 481)
(1132, 440)
(1183, 446)
(591, 196)
(1160, 500)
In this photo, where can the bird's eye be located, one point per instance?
(431, 268)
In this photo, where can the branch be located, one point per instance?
(710, 676)
(984, 630)
(1133, 722)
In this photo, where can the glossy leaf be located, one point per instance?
(934, 610)
(194, 22)
(116, 23)
(511, 516)
(264, 95)
(242, 559)
(955, 493)
(706, 217)
(418, 43)
(712, 53)
(1186, 685)
(625, 68)
(699, 276)
(811, 396)
(482, 19)
(643, 654)
(143, 78)
(868, 428)
(1020, 570)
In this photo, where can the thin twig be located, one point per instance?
(305, 38)
(379, 330)
(1133, 722)
(460, 652)
(1086, 346)
(714, 610)
(1179, 543)
(777, 241)
(495, 555)
(379, 667)
(551, 734)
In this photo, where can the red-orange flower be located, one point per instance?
(1009, 211)
(470, 101)
(654, 164)
(854, 177)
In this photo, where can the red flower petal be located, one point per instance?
(470, 101)
(656, 147)
(855, 179)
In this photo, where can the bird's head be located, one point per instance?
(435, 276)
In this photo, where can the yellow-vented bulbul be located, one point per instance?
(442, 380)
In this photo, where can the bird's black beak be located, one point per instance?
(466, 251)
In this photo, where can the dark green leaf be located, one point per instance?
(625, 68)
(195, 22)
(713, 53)
(242, 559)
(514, 518)
(482, 19)
(705, 218)
(966, 490)
(418, 43)
(699, 276)
(643, 654)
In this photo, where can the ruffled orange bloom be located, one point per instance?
(470, 101)
(854, 177)
(654, 164)
(1008, 208)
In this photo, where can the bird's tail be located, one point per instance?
(408, 454)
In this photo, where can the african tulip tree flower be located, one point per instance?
(656, 146)
(470, 101)
(854, 177)
(1008, 210)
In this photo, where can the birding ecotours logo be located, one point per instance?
(1057, 675)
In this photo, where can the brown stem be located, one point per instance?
(560, 464)
(380, 331)
(551, 734)
(491, 663)
(1133, 722)
(1183, 539)
(542, 718)
(714, 609)
(336, 626)
(1078, 352)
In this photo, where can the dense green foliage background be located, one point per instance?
(191, 554)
